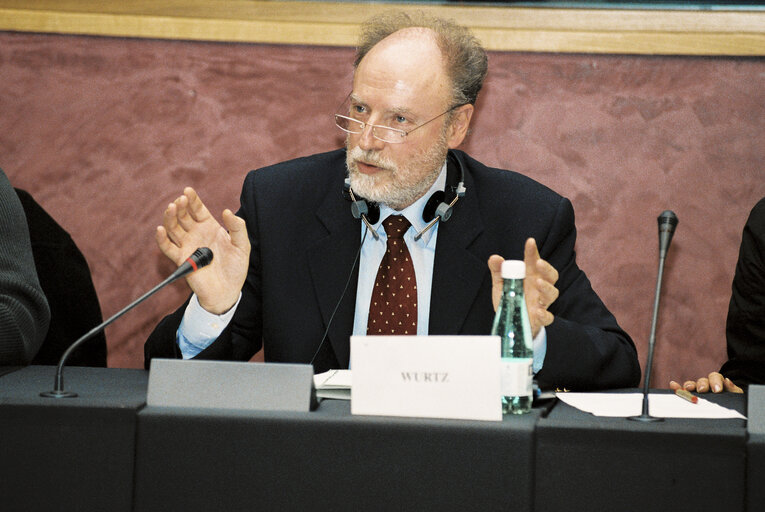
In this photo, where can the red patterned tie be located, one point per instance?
(393, 309)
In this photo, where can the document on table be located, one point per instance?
(334, 384)
(623, 405)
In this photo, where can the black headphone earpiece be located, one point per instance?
(369, 213)
(440, 205)
(432, 206)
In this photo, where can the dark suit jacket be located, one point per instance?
(65, 278)
(745, 329)
(304, 241)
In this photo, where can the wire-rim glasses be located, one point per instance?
(380, 132)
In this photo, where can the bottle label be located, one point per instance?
(517, 376)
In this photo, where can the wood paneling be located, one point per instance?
(621, 31)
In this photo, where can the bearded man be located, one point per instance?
(300, 283)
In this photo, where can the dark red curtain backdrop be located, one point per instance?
(105, 132)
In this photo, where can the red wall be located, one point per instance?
(105, 132)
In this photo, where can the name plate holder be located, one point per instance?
(231, 385)
(426, 376)
(756, 411)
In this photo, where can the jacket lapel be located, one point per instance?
(458, 271)
(330, 259)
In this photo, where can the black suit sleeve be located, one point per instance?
(24, 311)
(745, 327)
(586, 348)
(65, 278)
(161, 342)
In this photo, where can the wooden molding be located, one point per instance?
(621, 31)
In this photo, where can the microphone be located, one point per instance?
(667, 223)
(201, 257)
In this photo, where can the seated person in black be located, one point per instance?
(65, 278)
(745, 327)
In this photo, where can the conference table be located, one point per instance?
(107, 450)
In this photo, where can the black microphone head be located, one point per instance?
(668, 219)
(202, 257)
(667, 223)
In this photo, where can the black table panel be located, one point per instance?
(105, 451)
(584, 462)
(330, 460)
(69, 454)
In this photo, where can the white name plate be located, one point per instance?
(426, 376)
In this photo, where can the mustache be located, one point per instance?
(371, 158)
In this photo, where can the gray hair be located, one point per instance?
(465, 59)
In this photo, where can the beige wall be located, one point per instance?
(104, 132)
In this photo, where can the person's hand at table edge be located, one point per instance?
(715, 383)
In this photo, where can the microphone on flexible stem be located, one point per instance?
(667, 223)
(201, 257)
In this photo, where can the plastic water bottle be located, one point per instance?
(512, 325)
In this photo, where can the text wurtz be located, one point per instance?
(425, 377)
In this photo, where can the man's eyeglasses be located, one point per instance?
(380, 132)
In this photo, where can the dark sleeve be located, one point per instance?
(24, 312)
(242, 337)
(161, 342)
(745, 326)
(586, 348)
(65, 279)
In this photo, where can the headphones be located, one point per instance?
(438, 207)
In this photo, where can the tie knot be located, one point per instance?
(395, 226)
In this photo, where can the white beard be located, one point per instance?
(395, 186)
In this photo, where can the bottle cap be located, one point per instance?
(513, 269)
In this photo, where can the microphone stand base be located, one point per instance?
(58, 394)
(645, 418)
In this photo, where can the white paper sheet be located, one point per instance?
(334, 384)
(659, 405)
